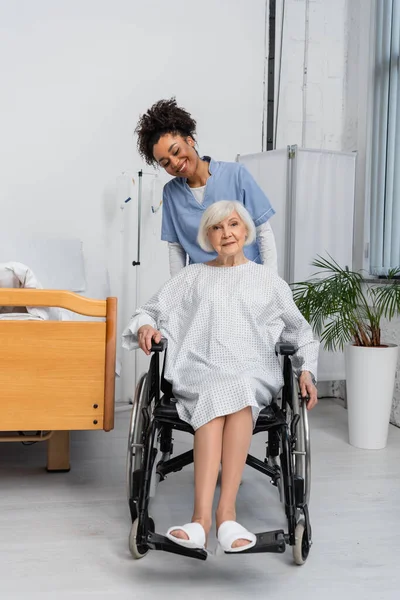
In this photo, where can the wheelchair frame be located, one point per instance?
(287, 461)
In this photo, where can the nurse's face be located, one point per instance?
(176, 155)
(228, 237)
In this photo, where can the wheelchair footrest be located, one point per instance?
(160, 542)
(269, 541)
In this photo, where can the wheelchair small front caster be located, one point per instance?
(302, 546)
(138, 550)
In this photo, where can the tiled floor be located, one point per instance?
(65, 535)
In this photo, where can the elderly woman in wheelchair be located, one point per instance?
(222, 321)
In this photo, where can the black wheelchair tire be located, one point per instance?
(135, 451)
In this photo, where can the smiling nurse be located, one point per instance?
(166, 137)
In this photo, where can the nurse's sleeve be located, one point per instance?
(177, 258)
(267, 246)
(297, 331)
(155, 311)
(168, 231)
(254, 198)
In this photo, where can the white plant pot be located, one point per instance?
(370, 374)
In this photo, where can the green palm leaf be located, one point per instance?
(341, 307)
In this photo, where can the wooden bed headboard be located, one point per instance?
(57, 375)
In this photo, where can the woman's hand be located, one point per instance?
(145, 335)
(307, 388)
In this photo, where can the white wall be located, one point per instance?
(324, 72)
(311, 91)
(76, 74)
(391, 335)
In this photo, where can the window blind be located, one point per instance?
(385, 165)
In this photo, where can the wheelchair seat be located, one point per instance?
(166, 412)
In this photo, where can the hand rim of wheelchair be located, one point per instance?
(302, 468)
(302, 462)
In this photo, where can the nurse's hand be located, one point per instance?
(146, 334)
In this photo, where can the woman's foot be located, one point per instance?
(188, 534)
(180, 534)
(222, 517)
(232, 537)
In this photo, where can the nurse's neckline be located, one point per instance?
(202, 182)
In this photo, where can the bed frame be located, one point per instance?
(56, 376)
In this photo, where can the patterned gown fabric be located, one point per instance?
(222, 324)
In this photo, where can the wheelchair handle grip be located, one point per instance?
(160, 347)
(285, 349)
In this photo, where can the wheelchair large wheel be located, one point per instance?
(134, 462)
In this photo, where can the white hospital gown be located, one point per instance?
(222, 324)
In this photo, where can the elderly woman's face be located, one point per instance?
(228, 237)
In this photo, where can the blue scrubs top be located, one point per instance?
(182, 213)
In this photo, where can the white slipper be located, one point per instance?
(229, 532)
(195, 533)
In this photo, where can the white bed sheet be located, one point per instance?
(19, 317)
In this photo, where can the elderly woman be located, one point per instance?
(222, 320)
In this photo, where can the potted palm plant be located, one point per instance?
(346, 312)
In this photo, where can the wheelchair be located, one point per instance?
(287, 462)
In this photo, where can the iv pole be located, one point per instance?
(136, 263)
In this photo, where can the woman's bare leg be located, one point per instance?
(237, 433)
(207, 459)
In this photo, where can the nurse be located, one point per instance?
(166, 137)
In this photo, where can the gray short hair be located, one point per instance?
(217, 212)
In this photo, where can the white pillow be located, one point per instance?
(8, 279)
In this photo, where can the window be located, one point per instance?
(385, 156)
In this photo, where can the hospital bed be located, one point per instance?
(56, 376)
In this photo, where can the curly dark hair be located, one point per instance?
(165, 116)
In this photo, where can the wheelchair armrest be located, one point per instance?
(160, 347)
(285, 349)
